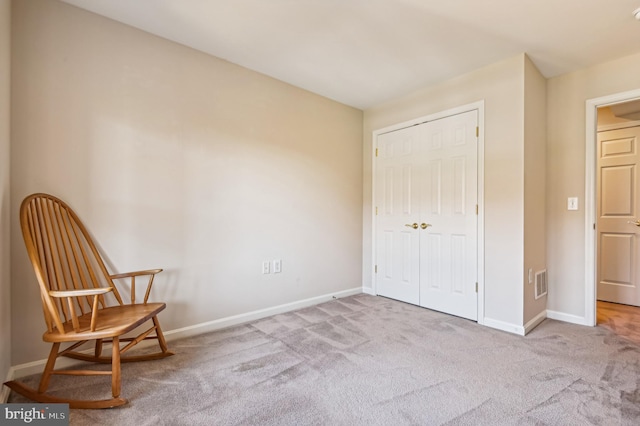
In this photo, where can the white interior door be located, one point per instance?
(449, 245)
(618, 212)
(397, 245)
(426, 222)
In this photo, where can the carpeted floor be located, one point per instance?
(365, 360)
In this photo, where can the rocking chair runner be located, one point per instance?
(80, 300)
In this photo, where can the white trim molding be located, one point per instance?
(504, 326)
(535, 322)
(564, 317)
(4, 395)
(218, 324)
(590, 254)
(369, 291)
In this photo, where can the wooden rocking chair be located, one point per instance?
(80, 300)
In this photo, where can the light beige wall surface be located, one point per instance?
(535, 141)
(566, 98)
(501, 86)
(5, 277)
(179, 160)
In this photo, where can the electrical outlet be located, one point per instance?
(277, 266)
(265, 267)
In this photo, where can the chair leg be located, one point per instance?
(161, 341)
(115, 368)
(98, 350)
(163, 353)
(42, 397)
(48, 369)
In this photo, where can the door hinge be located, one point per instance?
(594, 226)
(376, 211)
(476, 287)
(375, 269)
(376, 152)
(477, 131)
(476, 210)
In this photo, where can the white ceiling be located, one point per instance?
(363, 52)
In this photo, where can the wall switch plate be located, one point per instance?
(572, 203)
(265, 267)
(530, 276)
(277, 266)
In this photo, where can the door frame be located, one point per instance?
(475, 106)
(591, 252)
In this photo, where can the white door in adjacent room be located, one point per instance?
(618, 213)
(426, 221)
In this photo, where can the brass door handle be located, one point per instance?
(426, 225)
(636, 223)
(412, 225)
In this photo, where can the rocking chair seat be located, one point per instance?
(113, 321)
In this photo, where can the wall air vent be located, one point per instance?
(541, 283)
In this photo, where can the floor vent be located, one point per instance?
(541, 283)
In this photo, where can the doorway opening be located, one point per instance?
(612, 204)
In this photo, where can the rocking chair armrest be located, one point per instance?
(150, 272)
(97, 294)
(80, 293)
(135, 274)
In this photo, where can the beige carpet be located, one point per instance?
(366, 360)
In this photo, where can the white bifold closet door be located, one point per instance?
(426, 221)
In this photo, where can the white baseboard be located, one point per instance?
(369, 291)
(208, 326)
(514, 328)
(561, 316)
(504, 326)
(535, 322)
(4, 394)
(36, 367)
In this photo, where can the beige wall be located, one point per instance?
(180, 160)
(5, 84)
(501, 86)
(566, 97)
(535, 141)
